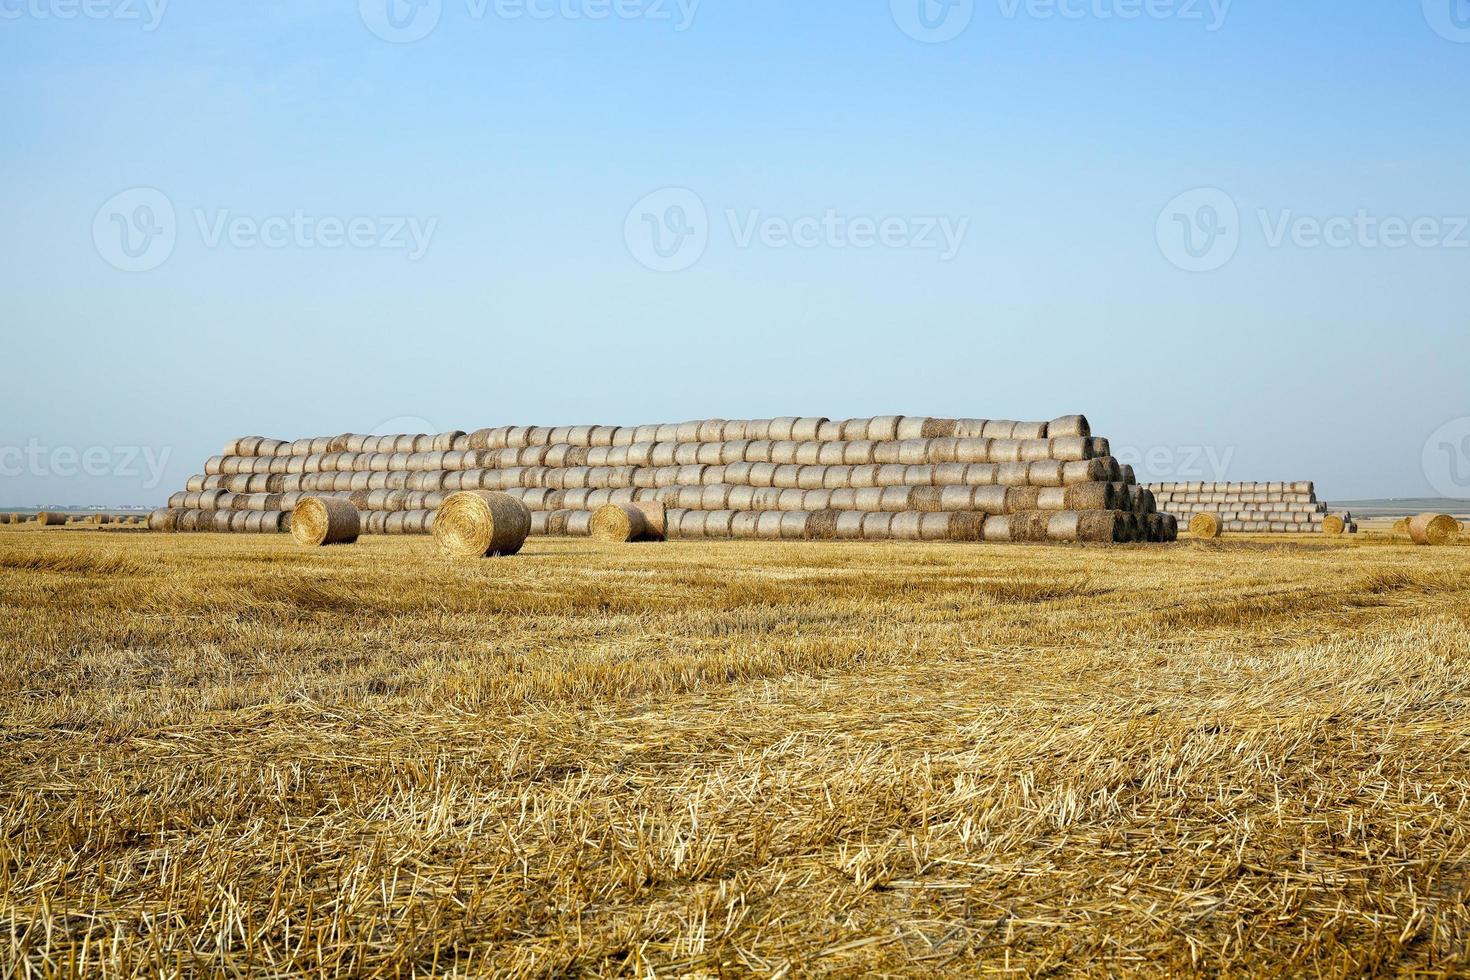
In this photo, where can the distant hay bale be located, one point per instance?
(1205, 525)
(320, 521)
(47, 518)
(1334, 525)
(621, 523)
(1401, 526)
(1433, 529)
(482, 524)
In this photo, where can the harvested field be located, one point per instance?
(224, 753)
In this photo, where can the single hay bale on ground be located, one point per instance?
(320, 521)
(1401, 526)
(47, 518)
(1334, 525)
(1205, 526)
(621, 523)
(482, 524)
(1433, 529)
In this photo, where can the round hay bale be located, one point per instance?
(1401, 526)
(164, 520)
(1099, 527)
(884, 428)
(1030, 526)
(743, 525)
(1205, 525)
(1064, 526)
(1020, 500)
(849, 525)
(1334, 525)
(719, 524)
(1091, 496)
(877, 526)
(938, 429)
(934, 527)
(1433, 529)
(906, 526)
(806, 429)
(320, 521)
(1069, 425)
(47, 518)
(482, 524)
(966, 526)
(821, 525)
(997, 527)
(620, 523)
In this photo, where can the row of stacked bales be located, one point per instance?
(1279, 508)
(883, 478)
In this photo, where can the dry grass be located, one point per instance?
(226, 754)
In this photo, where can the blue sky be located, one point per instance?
(1233, 234)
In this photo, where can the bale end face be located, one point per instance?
(481, 524)
(1433, 529)
(620, 523)
(1205, 526)
(1333, 525)
(320, 521)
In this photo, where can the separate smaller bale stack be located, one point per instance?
(320, 521)
(481, 524)
(1433, 529)
(1282, 508)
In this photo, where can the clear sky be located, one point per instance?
(1232, 234)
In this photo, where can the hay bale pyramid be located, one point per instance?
(885, 478)
(1277, 508)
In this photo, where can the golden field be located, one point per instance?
(222, 754)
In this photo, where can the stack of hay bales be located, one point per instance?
(1279, 508)
(891, 477)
